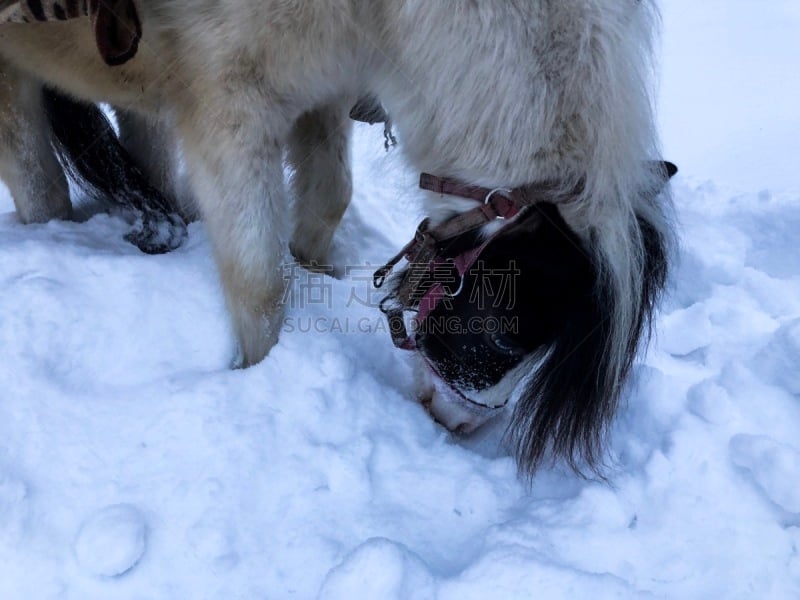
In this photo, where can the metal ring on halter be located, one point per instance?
(460, 283)
(491, 193)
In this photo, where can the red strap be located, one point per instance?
(451, 187)
(495, 203)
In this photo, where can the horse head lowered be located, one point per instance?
(506, 293)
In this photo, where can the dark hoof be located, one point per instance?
(157, 233)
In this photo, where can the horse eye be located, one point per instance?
(503, 344)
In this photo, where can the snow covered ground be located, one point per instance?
(134, 464)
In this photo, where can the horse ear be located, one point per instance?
(669, 168)
(662, 171)
(117, 30)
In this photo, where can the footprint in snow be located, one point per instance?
(112, 541)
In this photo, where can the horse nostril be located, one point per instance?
(464, 428)
(427, 404)
(449, 413)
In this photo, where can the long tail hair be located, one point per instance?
(90, 152)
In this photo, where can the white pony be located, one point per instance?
(539, 110)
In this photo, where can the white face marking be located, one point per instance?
(464, 411)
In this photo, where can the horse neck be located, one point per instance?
(506, 94)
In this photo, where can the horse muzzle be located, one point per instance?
(452, 408)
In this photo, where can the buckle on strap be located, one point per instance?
(410, 251)
(500, 213)
(506, 194)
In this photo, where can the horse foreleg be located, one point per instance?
(236, 168)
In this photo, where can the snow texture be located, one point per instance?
(135, 464)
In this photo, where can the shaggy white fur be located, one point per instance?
(498, 94)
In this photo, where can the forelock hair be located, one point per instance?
(570, 398)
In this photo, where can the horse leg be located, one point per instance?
(235, 162)
(152, 145)
(319, 151)
(28, 164)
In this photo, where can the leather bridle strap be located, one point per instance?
(422, 252)
(499, 202)
(495, 203)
